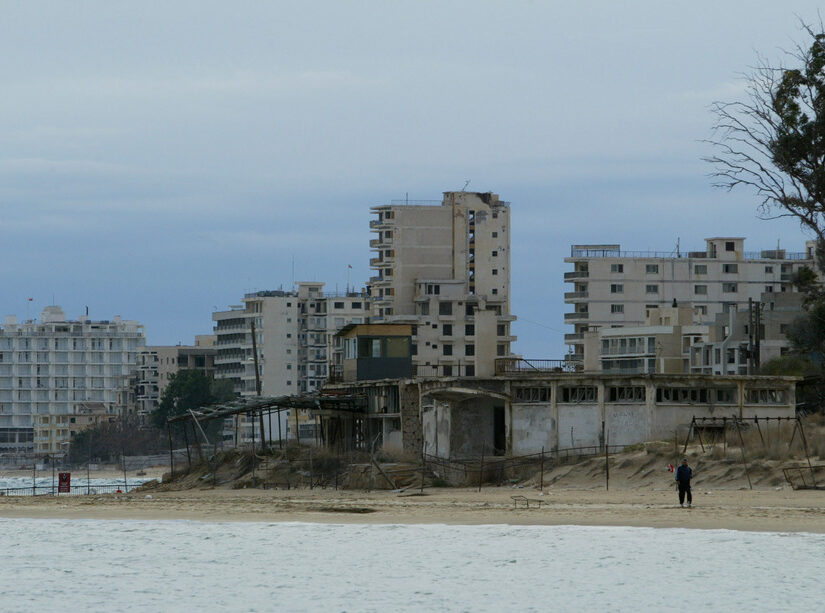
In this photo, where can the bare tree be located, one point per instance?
(774, 140)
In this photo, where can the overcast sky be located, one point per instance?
(159, 159)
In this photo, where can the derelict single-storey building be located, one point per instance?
(525, 412)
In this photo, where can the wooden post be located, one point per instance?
(725, 436)
(805, 447)
(253, 448)
(280, 437)
(756, 421)
(744, 461)
(197, 441)
(88, 464)
(481, 471)
(297, 430)
(257, 387)
(186, 440)
(541, 472)
(171, 449)
(423, 468)
(687, 438)
(125, 481)
(606, 461)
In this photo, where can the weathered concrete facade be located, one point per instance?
(520, 415)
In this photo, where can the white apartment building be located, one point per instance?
(55, 372)
(444, 267)
(662, 344)
(614, 288)
(157, 364)
(295, 337)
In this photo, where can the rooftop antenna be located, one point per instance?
(678, 253)
(466, 183)
(293, 270)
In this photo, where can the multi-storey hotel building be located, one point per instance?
(56, 372)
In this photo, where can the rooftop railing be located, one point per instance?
(748, 255)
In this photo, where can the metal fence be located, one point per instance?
(76, 490)
(499, 469)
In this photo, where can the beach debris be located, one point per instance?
(148, 496)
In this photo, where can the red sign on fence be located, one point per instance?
(64, 484)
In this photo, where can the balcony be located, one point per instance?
(575, 295)
(375, 262)
(575, 316)
(576, 274)
(378, 223)
(575, 337)
(376, 243)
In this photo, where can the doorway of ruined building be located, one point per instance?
(499, 431)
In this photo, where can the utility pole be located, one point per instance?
(258, 385)
(750, 336)
(758, 334)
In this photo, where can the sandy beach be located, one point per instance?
(782, 510)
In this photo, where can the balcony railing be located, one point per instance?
(522, 366)
(576, 274)
(573, 316)
(405, 201)
(575, 295)
(570, 338)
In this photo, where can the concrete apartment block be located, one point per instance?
(444, 267)
(58, 375)
(614, 288)
(157, 364)
(295, 337)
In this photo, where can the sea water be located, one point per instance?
(93, 565)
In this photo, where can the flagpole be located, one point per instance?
(349, 268)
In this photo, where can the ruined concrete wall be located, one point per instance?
(579, 425)
(533, 428)
(429, 426)
(471, 428)
(626, 424)
(409, 404)
(443, 429)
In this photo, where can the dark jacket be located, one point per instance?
(684, 474)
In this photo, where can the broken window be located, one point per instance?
(626, 393)
(531, 394)
(682, 395)
(579, 393)
(765, 396)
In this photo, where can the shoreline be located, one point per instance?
(782, 510)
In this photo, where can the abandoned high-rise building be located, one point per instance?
(614, 288)
(58, 376)
(295, 338)
(444, 267)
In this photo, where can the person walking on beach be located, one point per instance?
(683, 476)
